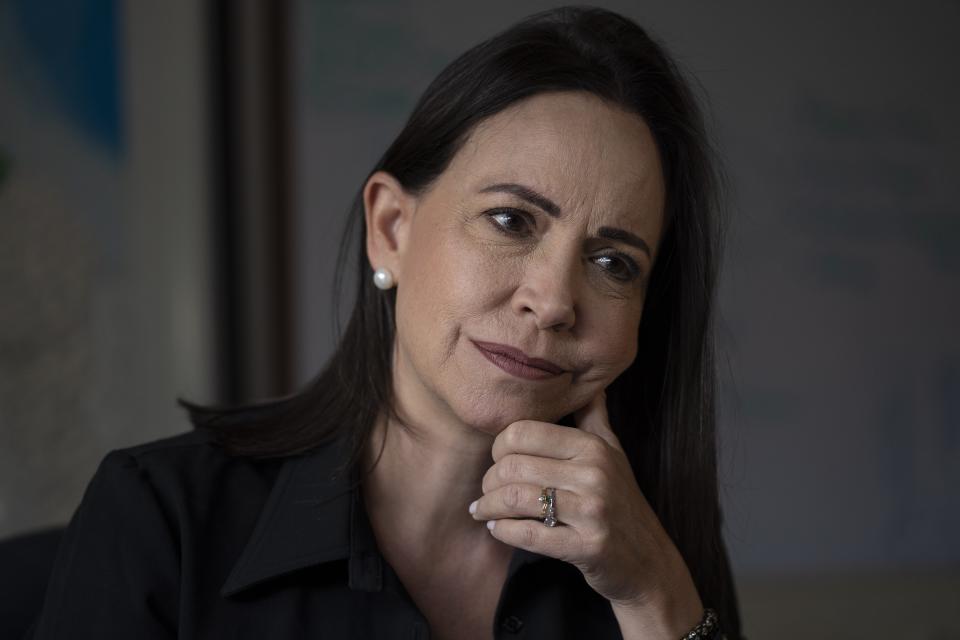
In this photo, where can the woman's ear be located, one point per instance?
(388, 212)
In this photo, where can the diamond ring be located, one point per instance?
(548, 508)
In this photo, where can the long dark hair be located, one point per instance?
(663, 406)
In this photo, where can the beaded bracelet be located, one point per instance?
(708, 629)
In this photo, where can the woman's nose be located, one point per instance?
(546, 294)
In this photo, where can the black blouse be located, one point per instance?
(174, 538)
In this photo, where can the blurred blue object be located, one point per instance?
(76, 47)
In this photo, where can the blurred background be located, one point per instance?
(174, 178)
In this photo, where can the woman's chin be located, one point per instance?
(494, 419)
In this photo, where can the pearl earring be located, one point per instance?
(383, 278)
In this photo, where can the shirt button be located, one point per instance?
(512, 624)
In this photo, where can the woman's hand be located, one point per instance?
(607, 529)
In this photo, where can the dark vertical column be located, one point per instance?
(252, 197)
(279, 88)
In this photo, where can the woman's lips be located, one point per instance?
(516, 362)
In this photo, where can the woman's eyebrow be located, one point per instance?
(527, 194)
(626, 237)
(543, 202)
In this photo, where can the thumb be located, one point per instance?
(593, 418)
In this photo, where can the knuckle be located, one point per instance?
(513, 497)
(528, 537)
(602, 539)
(513, 434)
(594, 477)
(511, 467)
(594, 508)
(518, 434)
(596, 448)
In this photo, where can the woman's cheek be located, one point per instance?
(616, 353)
(482, 272)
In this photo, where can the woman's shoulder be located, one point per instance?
(175, 449)
(154, 517)
(187, 469)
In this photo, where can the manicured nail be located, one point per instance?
(491, 524)
(473, 507)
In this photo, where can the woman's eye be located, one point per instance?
(618, 266)
(510, 221)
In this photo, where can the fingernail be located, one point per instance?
(491, 524)
(473, 507)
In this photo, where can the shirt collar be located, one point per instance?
(305, 520)
(315, 514)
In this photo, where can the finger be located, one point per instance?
(538, 439)
(523, 501)
(542, 472)
(560, 542)
(593, 418)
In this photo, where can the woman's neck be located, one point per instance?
(425, 479)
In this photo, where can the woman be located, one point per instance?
(516, 432)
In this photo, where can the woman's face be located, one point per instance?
(539, 237)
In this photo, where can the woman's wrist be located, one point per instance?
(707, 629)
(669, 615)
